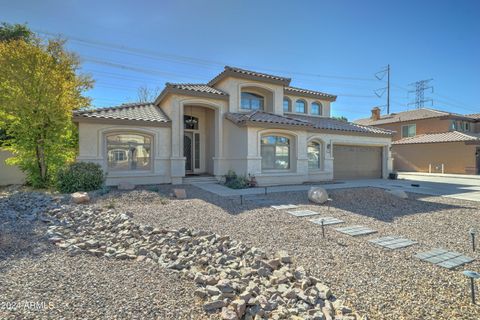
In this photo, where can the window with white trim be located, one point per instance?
(287, 105)
(128, 152)
(316, 108)
(314, 155)
(252, 101)
(300, 106)
(409, 130)
(275, 152)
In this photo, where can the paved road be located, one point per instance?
(453, 187)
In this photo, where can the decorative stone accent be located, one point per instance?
(398, 193)
(180, 193)
(318, 195)
(80, 197)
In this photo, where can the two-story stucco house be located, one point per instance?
(249, 122)
(429, 140)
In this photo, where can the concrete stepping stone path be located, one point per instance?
(393, 242)
(444, 258)
(285, 207)
(303, 213)
(327, 221)
(356, 230)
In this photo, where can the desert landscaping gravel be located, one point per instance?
(381, 283)
(377, 282)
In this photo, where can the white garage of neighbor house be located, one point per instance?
(249, 122)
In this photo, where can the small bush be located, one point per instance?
(80, 176)
(234, 181)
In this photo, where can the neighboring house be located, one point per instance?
(245, 121)
(429, 140)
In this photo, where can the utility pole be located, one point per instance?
(419, 88)
(379, 92)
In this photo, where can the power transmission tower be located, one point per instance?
(419, 89)
(379, 92)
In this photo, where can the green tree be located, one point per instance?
(10, 32)
(341, 118)
(39, 89)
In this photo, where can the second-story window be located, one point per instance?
(316, 108)
(300, 106)
(409, 130)
(287, 105)
(252, 101)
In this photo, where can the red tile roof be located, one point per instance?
(132, 111)
(321, 123)
(417, 114)
(452, 136)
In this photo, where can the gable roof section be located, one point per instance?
(194, 89)
(248, 74)
(417, 114)
(452, 136)
(260, 117)
(323, 123)
(264, 117)
(133, 112)
(309, 93)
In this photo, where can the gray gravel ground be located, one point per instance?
(381, 283)
(40, 281)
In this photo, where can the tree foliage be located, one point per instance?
(146, 94)
(39, 89)
(10, 32)
(341, 118)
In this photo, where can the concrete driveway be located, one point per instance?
(439, 185)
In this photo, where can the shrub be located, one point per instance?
(234, 181)
(80, 176)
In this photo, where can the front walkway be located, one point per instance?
(444, 187)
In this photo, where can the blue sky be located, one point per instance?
(331, 46)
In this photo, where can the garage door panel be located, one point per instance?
(357, 162)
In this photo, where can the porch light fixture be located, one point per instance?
(191, 120)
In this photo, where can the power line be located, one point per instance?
(419, 89)
(379, 92)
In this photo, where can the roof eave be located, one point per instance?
(329, 97)
(230, 73)
(82, 119)
(171, 90)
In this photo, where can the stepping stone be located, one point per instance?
(356, 230)
(444, 258)
(285, 206)
(303, 213)
(393, 242)
(327, 221)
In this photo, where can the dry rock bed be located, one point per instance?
(100, 263)
(382, 283)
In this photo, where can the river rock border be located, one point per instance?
(238, 281)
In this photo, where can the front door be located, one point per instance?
(188, 151)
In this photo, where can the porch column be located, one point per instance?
(177, 160)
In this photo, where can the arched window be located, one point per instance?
(316, 108)
(128, 151)
(275, 151)
(300, 106)
(314, 154)
(252, 101)
(287, 105)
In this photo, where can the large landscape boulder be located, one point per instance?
(80, 197)
(317, 195)
(398, 193)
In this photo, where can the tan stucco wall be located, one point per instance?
(274, 103)
(9, 174)
(92, 149)
(457, 157)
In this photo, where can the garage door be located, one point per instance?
(357, 162)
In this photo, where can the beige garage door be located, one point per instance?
(357, 162)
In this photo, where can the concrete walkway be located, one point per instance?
(459, 188)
